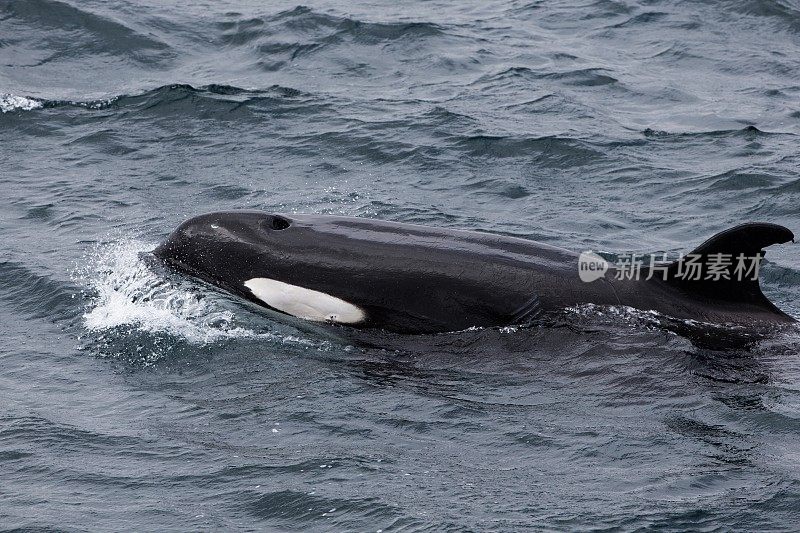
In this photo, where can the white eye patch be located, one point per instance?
(304, 303)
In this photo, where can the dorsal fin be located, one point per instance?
(749, 239)
(729, 263)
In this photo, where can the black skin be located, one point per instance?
(417, 279)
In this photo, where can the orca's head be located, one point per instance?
(269, 259)
(226, 247)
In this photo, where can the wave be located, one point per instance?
(747, 132)
(587, 77)
(549, 151)
(179, 91)
(309, 509)
(786, 15)
(323, 28)
(39, 296)
(232, 103)
(280, 39)
(734, 180)
(72, 32)
(126, 292)
(10, 102)
(129, 302)
(642, 18)
(172, 95)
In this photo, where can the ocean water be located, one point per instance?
(133, 398)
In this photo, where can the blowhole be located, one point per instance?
(280, 223)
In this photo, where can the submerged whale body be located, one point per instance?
(408, 278)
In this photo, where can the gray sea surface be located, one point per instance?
(132, 399)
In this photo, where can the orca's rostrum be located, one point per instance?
(408, 278)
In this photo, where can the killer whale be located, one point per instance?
(408, 278)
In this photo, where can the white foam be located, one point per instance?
(125, 291)
(10, 102)
(615, 312)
